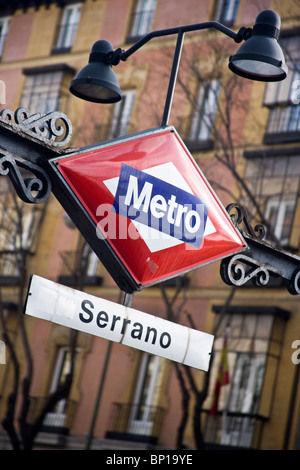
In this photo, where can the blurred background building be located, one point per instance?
(245, 137)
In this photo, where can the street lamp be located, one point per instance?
(259, 58)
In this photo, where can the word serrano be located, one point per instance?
(138, 331)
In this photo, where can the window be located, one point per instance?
(80, 267)
(62, 367)
(284, 114)
(14, 238)
(253, 351)
(68, 28)
(140, 420)
(283, 97)
(17, 235)
(275, 183)
(122, 115)
(142, 18)
(279, 212)
(226, 11)
(4, 27)
(91, 260)
(42, 92)
(205, 111)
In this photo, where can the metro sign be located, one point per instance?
(150, 212)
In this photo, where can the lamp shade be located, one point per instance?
(260, 57)
(97, 82)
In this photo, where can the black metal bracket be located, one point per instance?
(51, 131)
(261, 261)
(31, 190)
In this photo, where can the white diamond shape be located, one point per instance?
(154, 239)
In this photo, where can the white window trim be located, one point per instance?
(143, 424)
(5, 20)
(68, 26)
(57, 418)
(230, 13)
(122, 114)
(41, 92)
(205, 111)
(143, 17)
(280, 204)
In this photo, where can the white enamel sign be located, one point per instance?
(84, 312)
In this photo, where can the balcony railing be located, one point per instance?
(11, 263)
(234, 430)
(135, 423)
(77, 271)
(59, 420)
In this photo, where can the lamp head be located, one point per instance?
(97, 82)
(260, 57)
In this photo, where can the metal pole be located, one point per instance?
(127, 302)
(99, 395)
(173, 77)
(179, 29)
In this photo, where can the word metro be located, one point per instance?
(65, 306)
(156, 205)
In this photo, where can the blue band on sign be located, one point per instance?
(159, 205)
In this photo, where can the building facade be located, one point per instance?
(245, 137)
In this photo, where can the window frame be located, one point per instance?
(41, 92)
(43, 89)
(68, 27)
(206, 108)
(142, 19)
(122, 113)
(226, 11)
(5, 20)
(252, 340)
(281, 204)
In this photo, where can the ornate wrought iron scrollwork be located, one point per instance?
(239, 269)
(32, 190)
(53, 128)
(240, 217)
(294, 283)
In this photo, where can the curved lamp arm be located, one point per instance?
(114, 57)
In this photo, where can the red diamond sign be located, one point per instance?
(151, 206)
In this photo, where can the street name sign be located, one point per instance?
(65, 306)
(150, 212)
